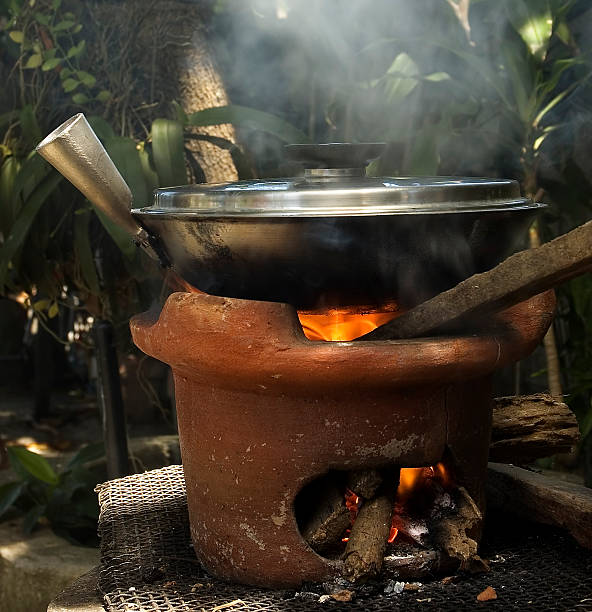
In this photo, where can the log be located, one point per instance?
(530, 427)
(516, 279)
(417, 565)
(367, 542)
(325, 527)
(543, 499)
(454, 534)
(364, 483)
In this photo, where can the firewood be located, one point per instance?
(417, 565)
(364, 483)
(453, 534)
(541, 498)
(531, 427)
(516, 279)
(325, 527)
(368, 539)
(367, 542)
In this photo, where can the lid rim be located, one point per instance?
(354, 196)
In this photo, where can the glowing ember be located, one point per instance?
(342, 325)
(352, 503)
(393, 534)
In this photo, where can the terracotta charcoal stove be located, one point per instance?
(264, 412)
(304, 459)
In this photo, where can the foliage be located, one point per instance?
(52, 243)
(64, 500)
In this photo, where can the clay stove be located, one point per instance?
(263, 411)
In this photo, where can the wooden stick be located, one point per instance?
(528, 427)
(325, 527)
(516, 279)
(364, 552)
(541, 498)
(364, 483)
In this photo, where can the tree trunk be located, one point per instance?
(150, 53)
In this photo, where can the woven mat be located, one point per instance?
(148, 563)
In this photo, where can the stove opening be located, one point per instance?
(346, 323)
(411, 521)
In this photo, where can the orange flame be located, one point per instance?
(344, 324)
(411, 482)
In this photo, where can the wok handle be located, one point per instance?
(75, 151)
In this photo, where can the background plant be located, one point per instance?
(65, 500)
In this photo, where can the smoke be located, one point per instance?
(446, 79)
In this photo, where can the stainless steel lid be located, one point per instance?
(334, 186)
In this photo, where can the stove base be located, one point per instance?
(262, 411)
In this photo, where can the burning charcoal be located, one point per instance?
(416, 529)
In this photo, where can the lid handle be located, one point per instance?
(342, 159)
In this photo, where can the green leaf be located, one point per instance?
(80, 98)
(120, 236)
(124, 153)
(51, 63)
(8, 173)
(42, 19)
(70, 85)
(436, 77)
(563, 33)
(103, 95)
(41, 305)
(24, 220)
(401, 78)
(30, 129)
(101, 128)
(55, 5)
(36, 465)
(89, 452)
(88, 79)
(34, 61)
(32, 172)
(17, 36)
(533, 20)
(66, 24)
(76, 49)
(150, 176)
(53, 310)
(9, 493)
(168, 152)
(250, 118)
(77, 29)
(83, 252)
